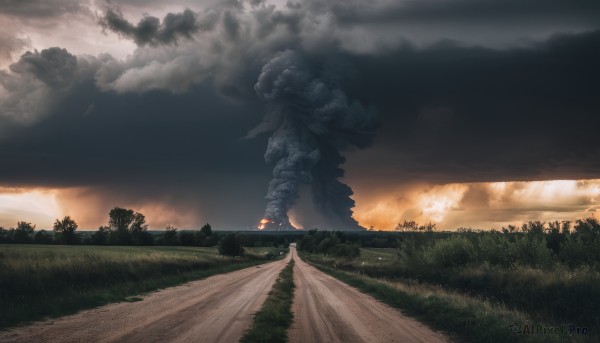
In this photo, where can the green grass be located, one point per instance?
(273, 320)
(40, 281)
(464, 317)
(266, 252)
(555, 295)
(372, 254)
(378, 255)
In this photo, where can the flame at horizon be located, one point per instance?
(263, 223)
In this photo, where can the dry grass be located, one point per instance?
(38, 281)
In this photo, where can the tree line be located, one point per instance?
(125, 227)
(535, 244)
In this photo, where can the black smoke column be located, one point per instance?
(313, 120)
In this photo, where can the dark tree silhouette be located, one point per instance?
(64, 231)
(128, 227)
(170, 236)
(23, 232)
(206, 230)
(101, 237)
(42, 237)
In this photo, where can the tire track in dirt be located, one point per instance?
(328, 310)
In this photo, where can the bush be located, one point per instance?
(345, 250)
(42, 237)
(495, 250)
(531, 250)
(451, 252)
(231, 245)
(170, 236)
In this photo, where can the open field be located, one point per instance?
(42, 280)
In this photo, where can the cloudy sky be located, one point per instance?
(466, 113)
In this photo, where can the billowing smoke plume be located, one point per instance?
(313, 120)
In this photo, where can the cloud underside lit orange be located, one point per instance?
(483, 205)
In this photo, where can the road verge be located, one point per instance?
(464, 318)
(271, 323)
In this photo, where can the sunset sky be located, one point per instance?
(481, 113)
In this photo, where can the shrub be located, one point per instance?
(531, 250)
(231, 245)
(451, 252)
(345, 250)
(42, 237)
(495, 250)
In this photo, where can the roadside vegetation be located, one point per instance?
(465, 318)
(271, 323)
(38, 281)
(548, 272)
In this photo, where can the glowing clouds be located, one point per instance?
(88, 206)
(38, 206)
(415, 202)
(479, 205)
(436, 203)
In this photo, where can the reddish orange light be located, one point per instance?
(263, 223)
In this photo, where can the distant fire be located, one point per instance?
(263, 223)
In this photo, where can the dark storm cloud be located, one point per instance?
(162, 124)
(38, 83)
(454, 114)
(149, 30)
(133, 150)
(55, 66)
(465, 11)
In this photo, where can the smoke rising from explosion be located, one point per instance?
(313, 121)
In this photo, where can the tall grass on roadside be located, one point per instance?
(559, 294)
(40, 281)
(275, 317)
(517, 269)
(466, 318)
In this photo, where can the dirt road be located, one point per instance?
(216, 309)
(221, 308)
(327, 310)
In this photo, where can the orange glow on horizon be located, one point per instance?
(482, 205)
(89, 207)
(38, 206)
(294, 221)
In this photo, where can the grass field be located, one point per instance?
(378, 255)
(38, 281)
(266, 252)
